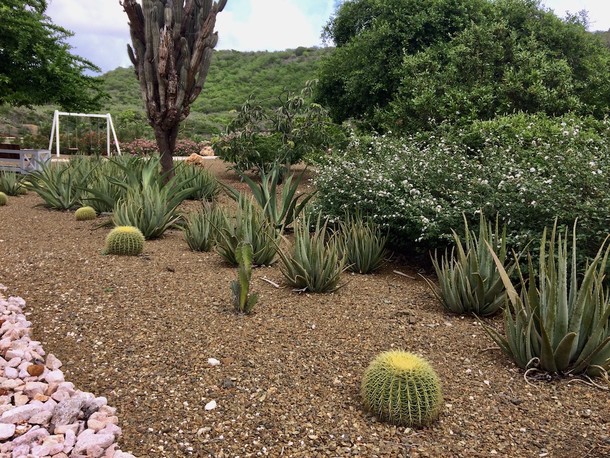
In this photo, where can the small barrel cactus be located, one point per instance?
(3, 199)
(85, 214)
(402, 388)
(124, 240)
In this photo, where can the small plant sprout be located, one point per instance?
(243, 301)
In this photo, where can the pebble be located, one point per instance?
(48, 417)
(210, 405)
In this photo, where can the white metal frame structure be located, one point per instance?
(109, 129)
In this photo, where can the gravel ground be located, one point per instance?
(140, 330)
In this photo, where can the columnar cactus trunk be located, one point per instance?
(172, 49)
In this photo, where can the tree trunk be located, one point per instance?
(166, 141)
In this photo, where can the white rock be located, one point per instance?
(11, 384)
(20, 399)
(213, 362)
(11, 372)
(6, 431)
(55, 376)
(51, 445)
(20, 414)
(41, 418)
(89, 444)
(33, 388)
(14, 362)
(210, 405)
(52, 362)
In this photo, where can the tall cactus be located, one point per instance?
(172, 49)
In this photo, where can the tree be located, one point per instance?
(411, 64)
(173, 42)
(36, 66)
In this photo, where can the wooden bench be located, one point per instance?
(22, 160)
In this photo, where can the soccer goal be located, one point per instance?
(109, 130)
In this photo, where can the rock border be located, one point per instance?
(42, 415)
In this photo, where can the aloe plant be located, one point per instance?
(11, 183)
(282, 211)
(469, 281)
(249, 226)
(243, 301)
(59, 185)
(204, 184)
(200, 229)
(558, 324)
(314, 262)
(363, 244)
(152, 209)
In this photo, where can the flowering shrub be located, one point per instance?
(140, 147)
(418, 188)
(145, 147)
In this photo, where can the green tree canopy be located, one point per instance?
(410, 64)
(36, 66)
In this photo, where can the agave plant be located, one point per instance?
(363, 244)
(204, 184)
(282, 211)
(104, 187)
(314, 263)
(152, 209)
(243, 301)
(469, 281)
(11, 183)
(250, 226)
(59, 185)
(558, 324)
(201, 227)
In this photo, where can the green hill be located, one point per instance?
(232, 78)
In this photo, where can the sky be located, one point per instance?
(101, 30)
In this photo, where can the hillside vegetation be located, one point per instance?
(233, 77)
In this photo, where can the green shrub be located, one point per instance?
(243, 301)
(124, 240)
(3, 199)
(560, 323)
(363, 244)
(469, 281)
(85, 214)
(402, 388)
(314, 263)
(249, 226)
(259, 137)
(11, 183)
(201, 227)
(418, 189)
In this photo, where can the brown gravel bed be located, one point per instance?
(140, 331)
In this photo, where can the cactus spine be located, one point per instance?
(172, 43)
(3, 199)
(402, 388)
(124, 240)
(85, 214)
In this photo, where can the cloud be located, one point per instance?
(102, 33)
(599, 10)
(272, 25)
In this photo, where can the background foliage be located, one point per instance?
(407, 65)
(233, 77)
(529, 169)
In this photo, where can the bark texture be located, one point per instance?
(171, 51)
